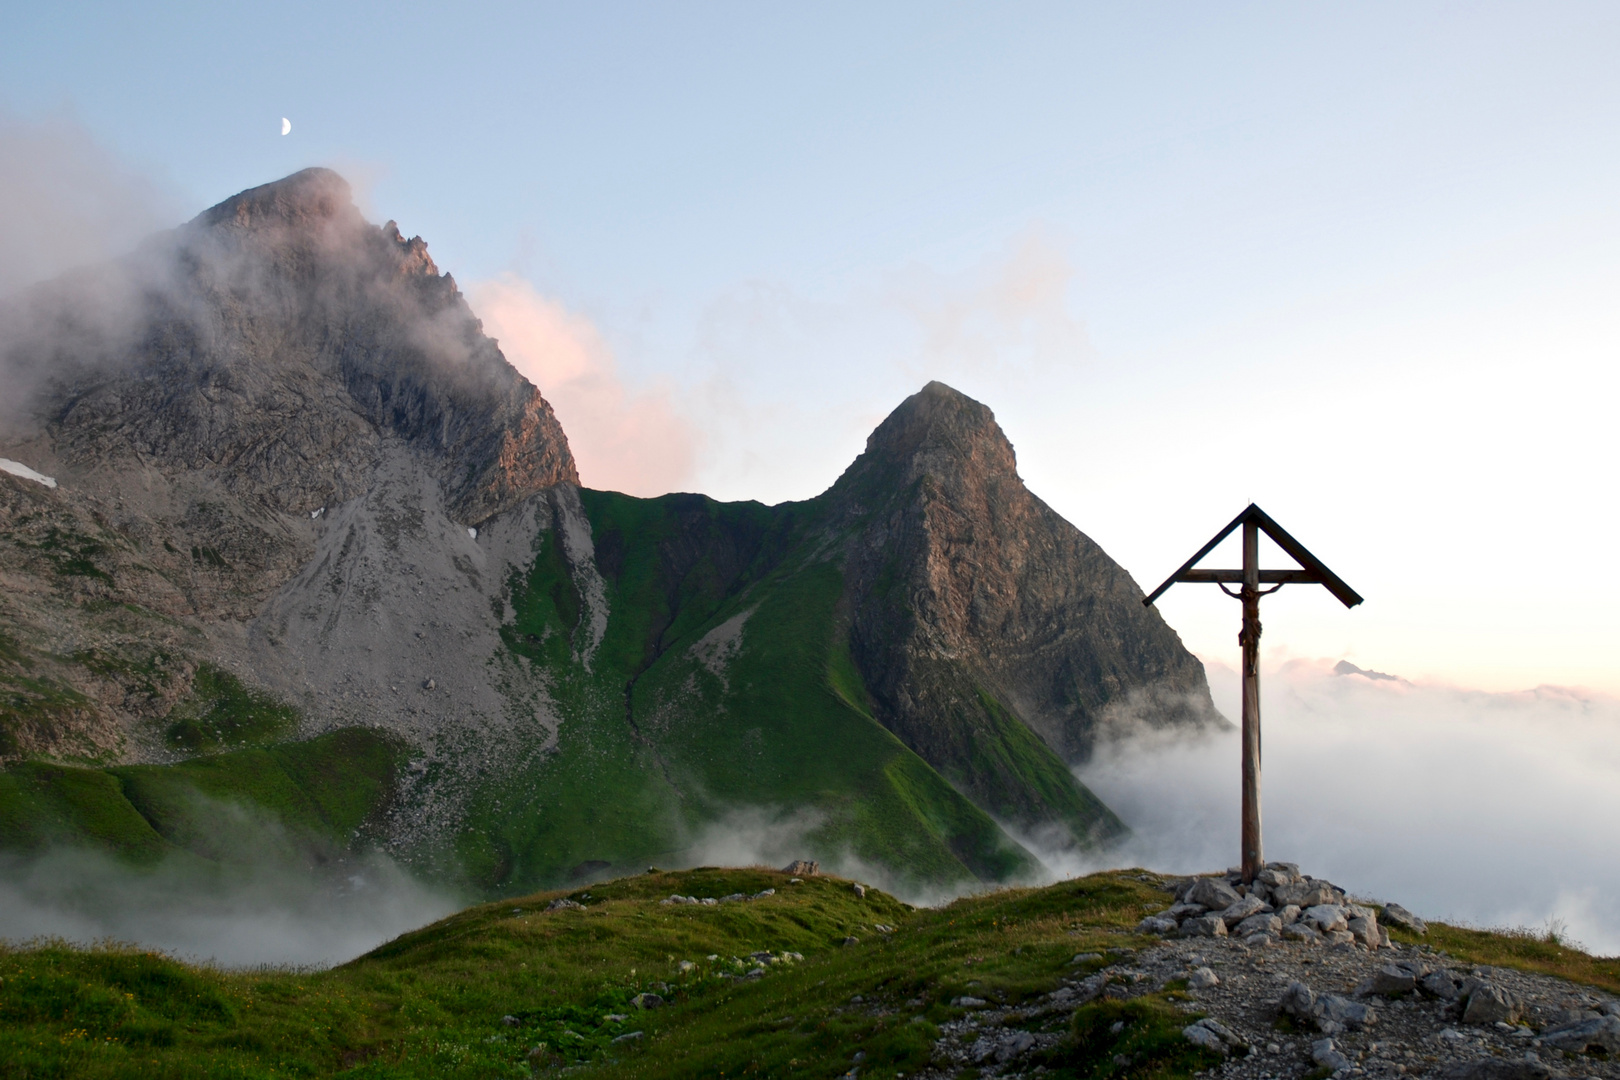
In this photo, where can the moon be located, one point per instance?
(286, 125)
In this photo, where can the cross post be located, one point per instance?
(1254, 521)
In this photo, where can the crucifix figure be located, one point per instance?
(1249, 579)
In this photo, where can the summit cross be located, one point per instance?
(1310, 571)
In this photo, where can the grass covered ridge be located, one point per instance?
(431, 1003)
(434, 1003)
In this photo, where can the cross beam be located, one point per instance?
(1312, 571)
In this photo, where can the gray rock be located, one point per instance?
(1440, 984)
(1603, 1032)
(1326, 1055)
(1155, 924)
(802, 868)
(1281, 873)
(1391, 980)
(1226, 1034)
(1013, 1044)
(966, 1002)
(1305, 894)
(1298, 1000)
(1204, 926)
(1333, 1009)
(1364, 930)
(1325, 918)
(1202, 979)
(1257, 924)
(1184, 910)
(1339, 937)
(1299, 931)
(1213, 893)
(1489, 1003)
(1493, 1068)
(562, 903)
(629, 1036)
(1199, 1035)
(860, 890)
(1288, 913)
(1330, 1009)
(647, 1001)
(1246, 906)
(1396, 915)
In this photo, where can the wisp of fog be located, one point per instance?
(1484, 808)
(268, 912)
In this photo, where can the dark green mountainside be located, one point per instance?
(509, 682)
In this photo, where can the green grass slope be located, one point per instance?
(432, 1002)
(322, 792)
(655, 745)
(514, 989)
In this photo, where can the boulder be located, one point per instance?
(1440, 984)
(1395, 915)
(1201, 1036)
(1184, 910)
(1204, 926)
(1305, 894)
(1013, 1044)
(1297, 1000)
(1364, 930)
(1257, 924)
(1576, 1038)
(1202, 979)
(1339, 937)
(1246, 906)
(1325, 918)
(1331, 1009)
(1300, 931)
(1214, 894)
(1494, 1068)
(647, 1001)
(1288, 913)
(1327, 1056)
(1156, 924)
(1391, 980)
(1489, 1003)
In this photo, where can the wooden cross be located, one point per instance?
(1249, 579)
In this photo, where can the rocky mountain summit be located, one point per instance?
(1326, 1001)
(303, 501)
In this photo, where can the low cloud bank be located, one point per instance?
(236, 916)
(1490, 809)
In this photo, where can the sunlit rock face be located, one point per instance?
(967, 590)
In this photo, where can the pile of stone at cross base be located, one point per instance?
(1281, 903)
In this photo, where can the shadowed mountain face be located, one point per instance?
(307, 510)
(276, 342)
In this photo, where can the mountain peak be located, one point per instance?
(306, 197)
(939, 426)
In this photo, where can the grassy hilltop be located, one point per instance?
(435, 1002)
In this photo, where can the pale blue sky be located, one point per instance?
(1355, 262)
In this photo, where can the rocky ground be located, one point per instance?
(1279, 1008)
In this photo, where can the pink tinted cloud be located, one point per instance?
(624, 439)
